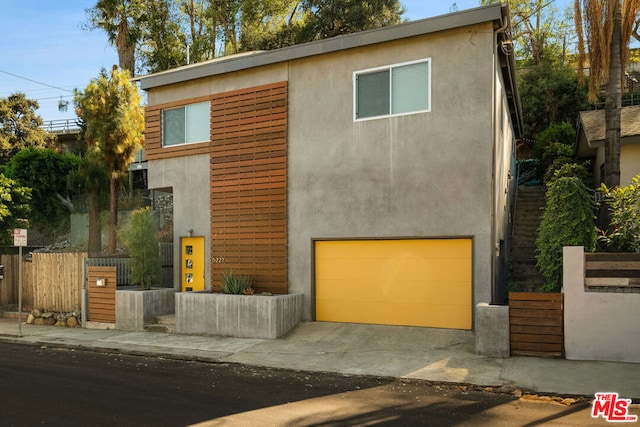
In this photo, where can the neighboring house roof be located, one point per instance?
(497, 13)
(591, 129)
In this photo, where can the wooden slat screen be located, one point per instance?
(612, 270)
(102, 300)
(249, 186)
(536, 324)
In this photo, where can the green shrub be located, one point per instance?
(562, 133)
(568, 220)
(233, 284)
(624, 208)
(554, 156)
(562, 170)
(143, 248)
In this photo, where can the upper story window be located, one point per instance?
(392, 90)
(184, 125)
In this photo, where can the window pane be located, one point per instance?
(410, 88)
(198, 122)
(373, 94)
(173, 126)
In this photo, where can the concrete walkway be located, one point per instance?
(392, 351)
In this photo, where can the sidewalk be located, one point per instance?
(392, 351)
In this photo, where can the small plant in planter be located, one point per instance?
(236, 285)
(140, 241)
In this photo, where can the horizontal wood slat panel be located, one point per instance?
(102, 299)
(248, 175)
(536, 324)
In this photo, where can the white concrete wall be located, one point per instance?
(597, 326)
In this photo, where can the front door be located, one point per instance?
(192, 264)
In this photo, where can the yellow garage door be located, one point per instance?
(395, 282)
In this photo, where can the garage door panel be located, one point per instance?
(398, 282)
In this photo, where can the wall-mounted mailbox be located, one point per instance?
(101, 282)
(1, 271)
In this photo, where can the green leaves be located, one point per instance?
(14, 208)
(568, 220)
(142, 245)
(624, 208)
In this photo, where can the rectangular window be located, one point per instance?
(184, 125)
(392, 90)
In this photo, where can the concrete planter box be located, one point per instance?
(135, 307)
(242, 316)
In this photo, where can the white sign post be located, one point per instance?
(19, 240)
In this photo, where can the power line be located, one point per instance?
(35, 81)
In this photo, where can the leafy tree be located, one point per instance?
(539, 30)
(320, 19)
(110, 107)
(567, 221)
(550, 94)
(163, 45)
(20, 126)
(14, 208)
(45, 171)
(144, 250)
(604, 32)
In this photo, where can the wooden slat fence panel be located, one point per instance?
(9, 284)
(102, 300)
(612, 270)
(536, 324)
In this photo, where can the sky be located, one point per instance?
(46, 51)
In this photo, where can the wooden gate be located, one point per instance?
(536, 324)
(101, 286)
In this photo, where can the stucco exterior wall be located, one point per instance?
(597, 325)
(423, 175)
(189, 178)
(629, 162)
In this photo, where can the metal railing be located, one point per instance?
(61, 126)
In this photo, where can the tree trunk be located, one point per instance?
(613, 106)
(113, 214)
(95, 236)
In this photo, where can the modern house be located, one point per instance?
(591, 137)
(369, 172)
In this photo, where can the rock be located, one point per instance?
(488, 389)
(72, 322)
(38, 321)
(60, 323)
(30, 319)
(47, 315)
(60, 316)
(36, 312)
(50, 321)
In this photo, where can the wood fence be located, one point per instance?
(51, 281)
(102, 285)
(536, 324)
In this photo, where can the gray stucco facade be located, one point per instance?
(441, 173)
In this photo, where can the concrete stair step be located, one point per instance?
(165, 323)
(166, 319)
(155, 327)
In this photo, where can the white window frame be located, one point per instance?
(390, 68)
(184, 108)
